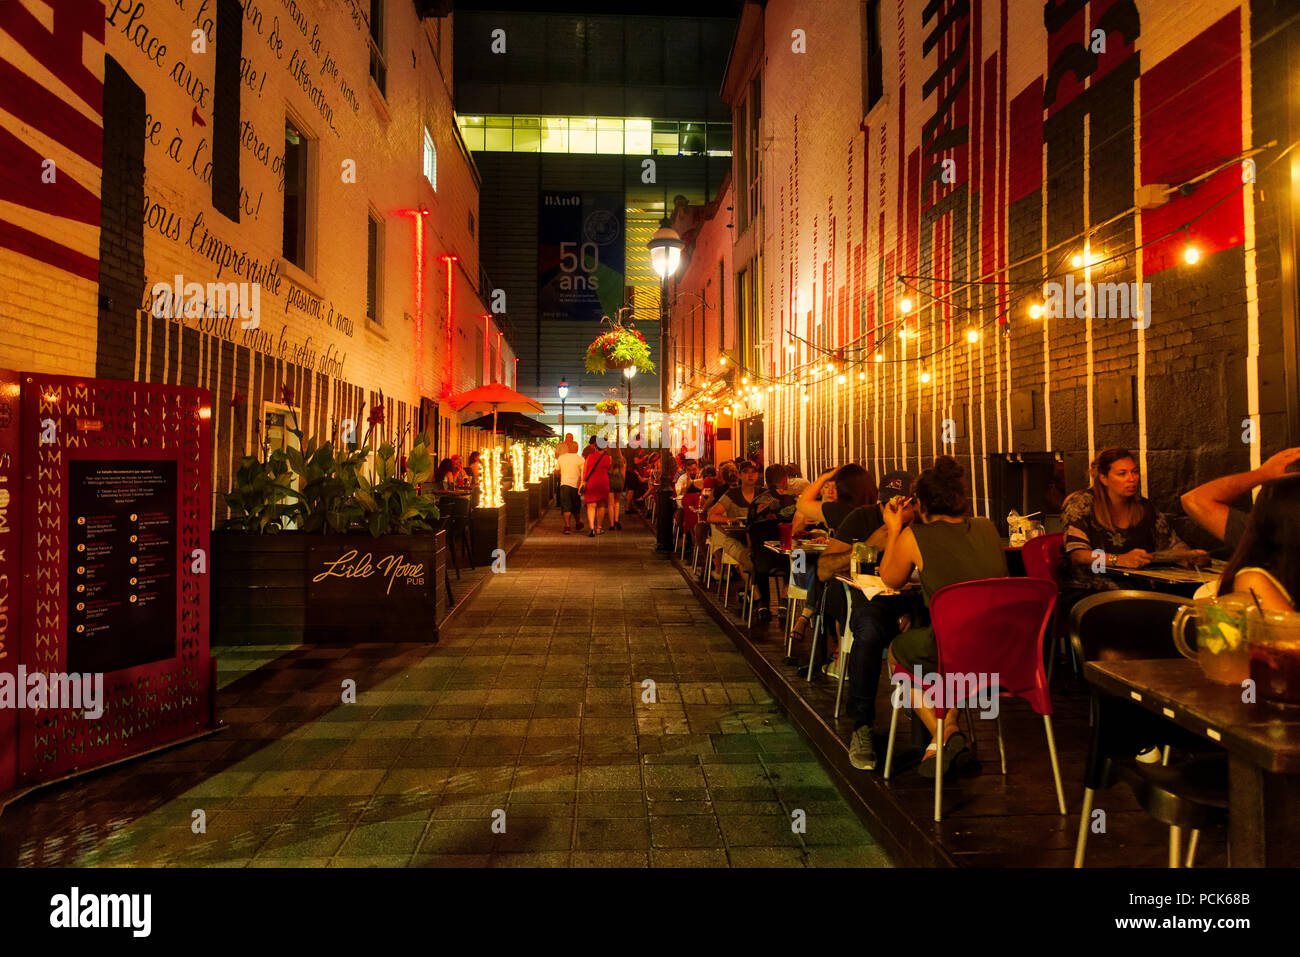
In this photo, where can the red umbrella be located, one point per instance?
(495, 397)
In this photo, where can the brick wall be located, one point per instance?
(1009, 136)
(135, 202)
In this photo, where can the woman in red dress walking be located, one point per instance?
(595, 490)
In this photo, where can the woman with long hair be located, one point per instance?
(1110, 525)
(595, 489)
(1267, 560)
(617, 482)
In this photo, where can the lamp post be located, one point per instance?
(665, 256)
(629, 372)
(563, 392)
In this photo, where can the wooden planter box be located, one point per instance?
(290, 589)
(487, 532)
(536, 500)
(517, 512)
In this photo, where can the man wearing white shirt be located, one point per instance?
(570, 465)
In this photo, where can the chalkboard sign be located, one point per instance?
(122, 563)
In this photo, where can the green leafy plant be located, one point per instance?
(334, 494)
(393, 502)
(259, 499)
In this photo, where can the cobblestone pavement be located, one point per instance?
(583, 710)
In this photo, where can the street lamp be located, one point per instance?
(563, 391)
(665, 256)
(629, 372)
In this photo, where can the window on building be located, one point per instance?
(722, 305)
(374, 262)
(873, 84)
(742, 168)
(610, 135)
(378, 63)
(749, 315)
(752, 146)
(296, 154)
(430, 159)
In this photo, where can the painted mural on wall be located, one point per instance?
(969, 272)
(176, 179)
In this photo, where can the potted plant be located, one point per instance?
(609, 407)
(622, 346)
(329, 543)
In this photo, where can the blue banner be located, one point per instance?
(580, 255)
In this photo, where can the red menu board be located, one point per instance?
(116, 512)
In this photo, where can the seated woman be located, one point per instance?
(853, 487)
(1267, 560)
(1110, 525)
(945, 544)
(733, 506)
(444, 477)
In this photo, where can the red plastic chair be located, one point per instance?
(1041, 556)
(992, 629)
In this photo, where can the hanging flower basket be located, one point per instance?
(609, 407)
(619, 348)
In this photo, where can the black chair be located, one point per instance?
(455, 512)
(1191, 794)
(760, 532)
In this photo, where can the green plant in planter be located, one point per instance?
(329, 478)
(258, 499)
(393, 501)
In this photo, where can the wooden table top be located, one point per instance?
(1173, 573)
(1176, 689)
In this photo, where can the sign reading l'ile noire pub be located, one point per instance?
(359, 585)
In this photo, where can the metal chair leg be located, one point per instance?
(1175, 845)
(1002, 748)
(843, 666)
(896, 699)
(789, 625)
(970, 723)
(938, 774)
(1191, 846)
(1081, 845)
(1056, 767)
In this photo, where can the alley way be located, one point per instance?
(583, 702)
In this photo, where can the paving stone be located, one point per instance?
(531, 703)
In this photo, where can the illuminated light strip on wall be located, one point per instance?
(447, 384)
(418, 216)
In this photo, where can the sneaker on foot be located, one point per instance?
(862, 750)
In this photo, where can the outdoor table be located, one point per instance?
(1171, 578)
(1262, 742)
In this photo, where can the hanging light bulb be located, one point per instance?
(972, 335)
(790, 348)
(880, 357)
(1076, 261)
(1191, 254)
(722, 360)
(1036, 311)
(841, 378)
(925, 377)
(862, 374)
(905, 306)
(805, 395)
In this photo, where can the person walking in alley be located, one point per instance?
(595, 489)
(570, 465)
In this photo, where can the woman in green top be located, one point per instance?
(935, 534)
